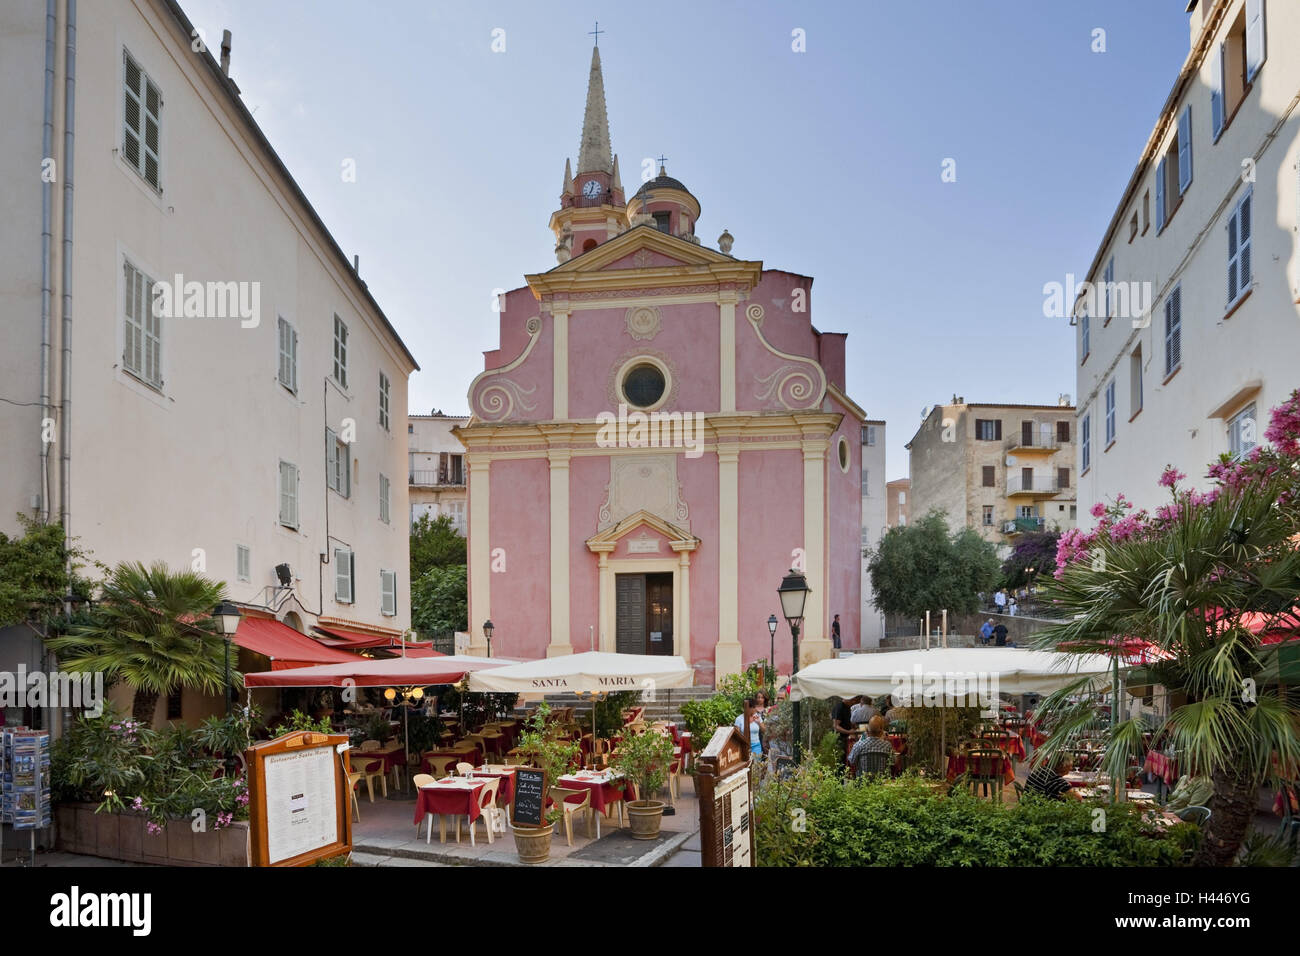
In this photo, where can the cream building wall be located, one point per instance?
(188, 471)
(1235, 356)
(438, 474)
(948, 458)
(874, 523)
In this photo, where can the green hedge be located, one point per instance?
(816, 819)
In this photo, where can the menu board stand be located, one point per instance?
(726, 806)
(299, 799)
(528, 811)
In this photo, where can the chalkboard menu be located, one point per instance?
(529, 808)
(722, 783)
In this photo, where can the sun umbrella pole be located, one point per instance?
(1114, 721)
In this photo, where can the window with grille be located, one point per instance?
(340, 352)
(383, 401)
(338, 473)
(388, 593)
(141, 122)
(1241, 432)
(988, 514)
(241, 562)
(343, 568)
(383, 498)
(1173, 330)
(288, 348)
(1239, 250)
(288, 495)
(142, 345)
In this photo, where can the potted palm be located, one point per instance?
(541, 742)
(643, 759)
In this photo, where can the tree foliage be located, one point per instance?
(440, 600)
(435, 543)
(1037, 550)
(34, 576)
(923, 567)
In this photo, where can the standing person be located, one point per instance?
(842, 721)
(1000, 635)
(755, 728)
(986, 632)
(1011, 605)
(1000, 599)
(835, 632)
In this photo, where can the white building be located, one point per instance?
(874, 523)
(1205, 241)
(207, 442)
(437, 467)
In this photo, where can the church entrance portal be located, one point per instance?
(644, 613)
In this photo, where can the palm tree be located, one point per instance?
(154, 630)
(1200, 581)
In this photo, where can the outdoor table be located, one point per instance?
(1163, 766)
(470, 754)
(1083, 778)
(394, 755)
(506, 792)
(957, 767)
(1101, 790)
(1009, 744)
(449, 796)
(605, 790)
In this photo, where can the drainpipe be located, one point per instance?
(69, 122)
(47, 252)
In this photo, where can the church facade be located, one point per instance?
(660, 436)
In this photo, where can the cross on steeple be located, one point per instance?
(662, 160)
(596, 33)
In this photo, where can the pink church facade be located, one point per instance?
(660, 436)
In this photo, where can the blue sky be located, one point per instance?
(826, 162)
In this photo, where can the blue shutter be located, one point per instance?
(1232, 257)
(1185, 149)
(1216, 94)
(1160, 195)
(1243, 244)
(1255, 51)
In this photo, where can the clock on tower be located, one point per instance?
(591, 188)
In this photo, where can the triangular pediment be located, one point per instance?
(644, 257)
(608, 539)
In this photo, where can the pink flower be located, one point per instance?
(1098, 510)
(1170, 477)
(153, 828)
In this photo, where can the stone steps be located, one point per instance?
(666, 705)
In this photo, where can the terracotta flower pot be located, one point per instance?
(533, 843)
(644, 817)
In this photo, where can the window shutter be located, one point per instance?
(1232, 257)
(342, 576)
(388, 592)
(293, 359)
(1255, 51)
(443, 464)
(1063, 431)
(1216, 93)
(1160, 195)
(1185, 149)
(997, 429)
(1243, 244)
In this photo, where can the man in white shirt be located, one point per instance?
(1000, 599)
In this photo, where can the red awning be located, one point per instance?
(338, 637)
(284, 646)
(392, 672)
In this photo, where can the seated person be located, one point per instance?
(1190, 792)
(1048, 779)
(872, 742)
(861, 712)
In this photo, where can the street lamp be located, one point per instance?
(488, 627)
(771, 654)
(793, 593)
(227, 616)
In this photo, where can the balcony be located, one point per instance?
(440, 478)
(1016, 526)
(1032, 486)
(1038, 441)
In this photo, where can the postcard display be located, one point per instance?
(25, 801)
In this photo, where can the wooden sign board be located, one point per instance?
(529, 807)
(726, 805)
(299, 800)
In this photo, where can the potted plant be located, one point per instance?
(643, 758)
(541, 740)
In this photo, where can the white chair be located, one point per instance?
(572, 808)
(464, 769)
(421, 780)
(371, 769)
(488, 810)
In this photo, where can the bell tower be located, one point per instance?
(592, 207)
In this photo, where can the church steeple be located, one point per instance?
(595, 155)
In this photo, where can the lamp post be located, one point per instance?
(771, 654)
(227, 616)
(793, 593)
(488, 627)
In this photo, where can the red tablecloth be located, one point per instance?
(898, 742)
(506, 792)
(441, 798)
(474, 757)
(602, 794)
(957, 767)
(1163, 766)
(1033, 734)
(391, 758)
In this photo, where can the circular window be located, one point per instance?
(644, 385)
(844, 454)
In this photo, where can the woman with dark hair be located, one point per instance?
(755, 727)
